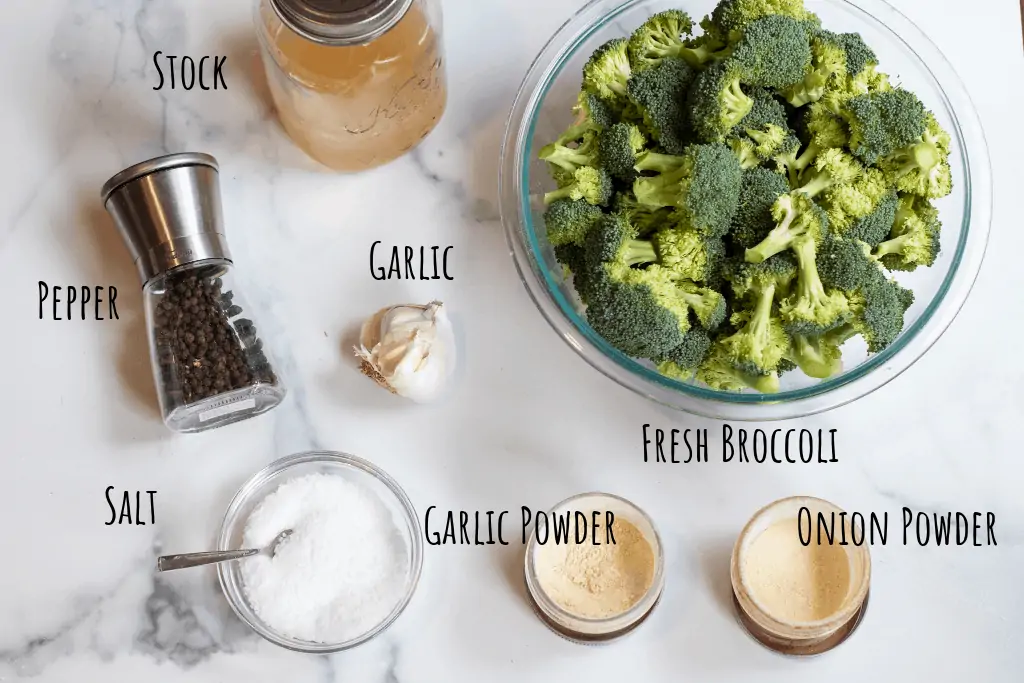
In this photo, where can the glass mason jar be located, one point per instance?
(210, 366)
(356, 83)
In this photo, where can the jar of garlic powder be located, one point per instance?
(356, 83)
(594, 568)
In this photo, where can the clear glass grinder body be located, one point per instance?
(210, 366)
(356, 83)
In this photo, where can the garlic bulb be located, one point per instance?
(409, 350)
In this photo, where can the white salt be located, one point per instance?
(340, 573)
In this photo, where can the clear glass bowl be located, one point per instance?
(542, 110)
(265, 482)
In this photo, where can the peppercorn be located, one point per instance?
(202, 353)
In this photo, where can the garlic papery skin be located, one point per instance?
(409, 350)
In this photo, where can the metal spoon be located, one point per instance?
(167, 563)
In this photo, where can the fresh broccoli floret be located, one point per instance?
(590, 184)
(644, 218)
(659, 93)
(631, 315)
(706, 303)
(796, 216)
(765, 109)
(877, 314)
(874, 227)
(745, 150)
(842, 65)
(769, 141)
(638, 313)
(607, 72)
(825, 131)
(922, 168)
(846, 264)
(763, 133)
(827, 67)
(716, 101)
(784, 160)
(701, 50)
(753, 220)
(571, 158)
(573, 259)
(617, 150)
(811, 309)
(914, 240)
(613, 240)
(883, 122)
(730, 17)
(569, 221)
(779, 272)
(818, 356)
(659, 38)
(704, 188)
(859, 57)
(849, 202)
(592, 116)
(832, 167)
(773, 51)
(719, 373)
(688, 253)
(761, 341)
(682, 361)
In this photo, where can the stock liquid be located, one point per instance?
(356, 107)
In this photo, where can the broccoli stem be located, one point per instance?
(561, 193)
(807, 157)
(766, 384)
(923, 156)
(580, 127)
(745, 153)
(787, 163)
(779, 239)
(660, 163)
(811, 89)
(662, 190)
(808, 280)
(636, 252)
(564, 157)
(737, 103)
(809, 357)
(818, 183)
(840, 335)
(702, 54)
(759, 323)
(893, 246)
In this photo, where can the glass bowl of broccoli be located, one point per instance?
(763, 213)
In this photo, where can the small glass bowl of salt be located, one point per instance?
(348, 569)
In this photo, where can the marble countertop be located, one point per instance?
(527, 423)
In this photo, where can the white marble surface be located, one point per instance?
(527, 424)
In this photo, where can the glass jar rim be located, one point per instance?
(341, 26)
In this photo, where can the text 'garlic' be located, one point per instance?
(409, 350)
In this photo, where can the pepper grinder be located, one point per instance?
(209, 365)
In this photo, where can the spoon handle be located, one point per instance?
(167, 563)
